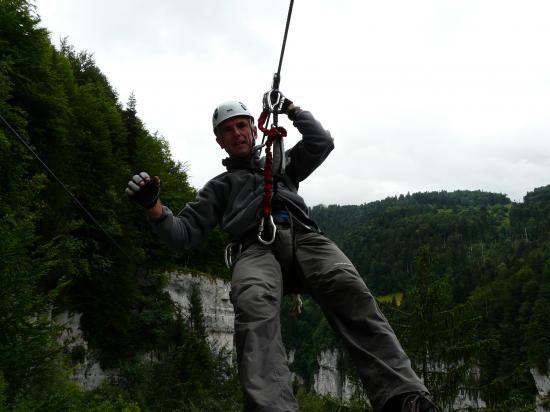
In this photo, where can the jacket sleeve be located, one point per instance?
(196, 220)
(312, 150)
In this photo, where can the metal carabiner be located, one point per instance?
(261, 229)
(228, 254)
(271, 106)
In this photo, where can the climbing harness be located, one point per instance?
(273, 102)
(45, 166)
(273, 137)
(272, 140)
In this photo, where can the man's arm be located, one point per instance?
(155, 213)
(179, 232)
(316, 142)
(312, 150)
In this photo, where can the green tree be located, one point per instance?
(196, 313)
(441, 338)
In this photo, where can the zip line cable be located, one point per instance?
(274, 137)
(277, 75)
(45, 166)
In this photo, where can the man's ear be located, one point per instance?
(220, 142)
(254, 132)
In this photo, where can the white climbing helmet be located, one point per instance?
(227, 110)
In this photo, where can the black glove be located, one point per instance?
(275, 102)
(143, 190)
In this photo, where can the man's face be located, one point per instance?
(236, 136)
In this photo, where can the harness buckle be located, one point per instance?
(261, 229)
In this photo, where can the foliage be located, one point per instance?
(473, 268)
(383, 238)
(311, 402)
(484, 284)
(189, 375)
(70, 397)
(539, 194)
(53, 256)
(307, 334)
(442, 339)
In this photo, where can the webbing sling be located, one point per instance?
(273, 135)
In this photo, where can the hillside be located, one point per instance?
(473, 268)
(55, 257)
(475, 272)
(383, 238)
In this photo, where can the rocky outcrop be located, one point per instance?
(327, 380)
(466, 402)
(219, 317)
(542, 381)
(216, 305)
(88, 372)
(217, 311)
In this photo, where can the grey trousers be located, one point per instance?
(334, 283)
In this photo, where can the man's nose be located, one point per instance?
(236, 131)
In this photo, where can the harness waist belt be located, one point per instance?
(280, 216)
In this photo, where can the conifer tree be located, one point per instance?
(196, 313)
(440, 338)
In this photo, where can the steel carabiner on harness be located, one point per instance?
(261, 230)
(230, 254)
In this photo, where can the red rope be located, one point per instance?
(273, 133)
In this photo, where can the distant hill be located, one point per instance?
(382, 237)
(474, 269)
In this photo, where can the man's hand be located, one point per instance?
(275, 102)
(144, 190)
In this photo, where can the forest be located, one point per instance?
(471, 269)
(474, 272)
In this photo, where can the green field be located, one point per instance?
(389, 298)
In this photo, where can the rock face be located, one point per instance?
(467, 402)
(216, 305)
(327, 380)
(543, 387)
(88, 372)
(217, 311)
(219, 317)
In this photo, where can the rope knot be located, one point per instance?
(274, 132)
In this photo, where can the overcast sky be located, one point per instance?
(418, 95)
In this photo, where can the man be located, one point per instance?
(300, 259)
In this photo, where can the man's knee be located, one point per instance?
(254, 303)
(338, 277)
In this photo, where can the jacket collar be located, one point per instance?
(235, 163)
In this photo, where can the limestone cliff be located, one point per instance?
(217, 307)
(219, 317)
(542, 381)
(217, 311)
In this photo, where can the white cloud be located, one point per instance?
(427, 95)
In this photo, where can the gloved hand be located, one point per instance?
(275, 102)
(144, 190)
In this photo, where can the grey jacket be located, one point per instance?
(234, 199)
